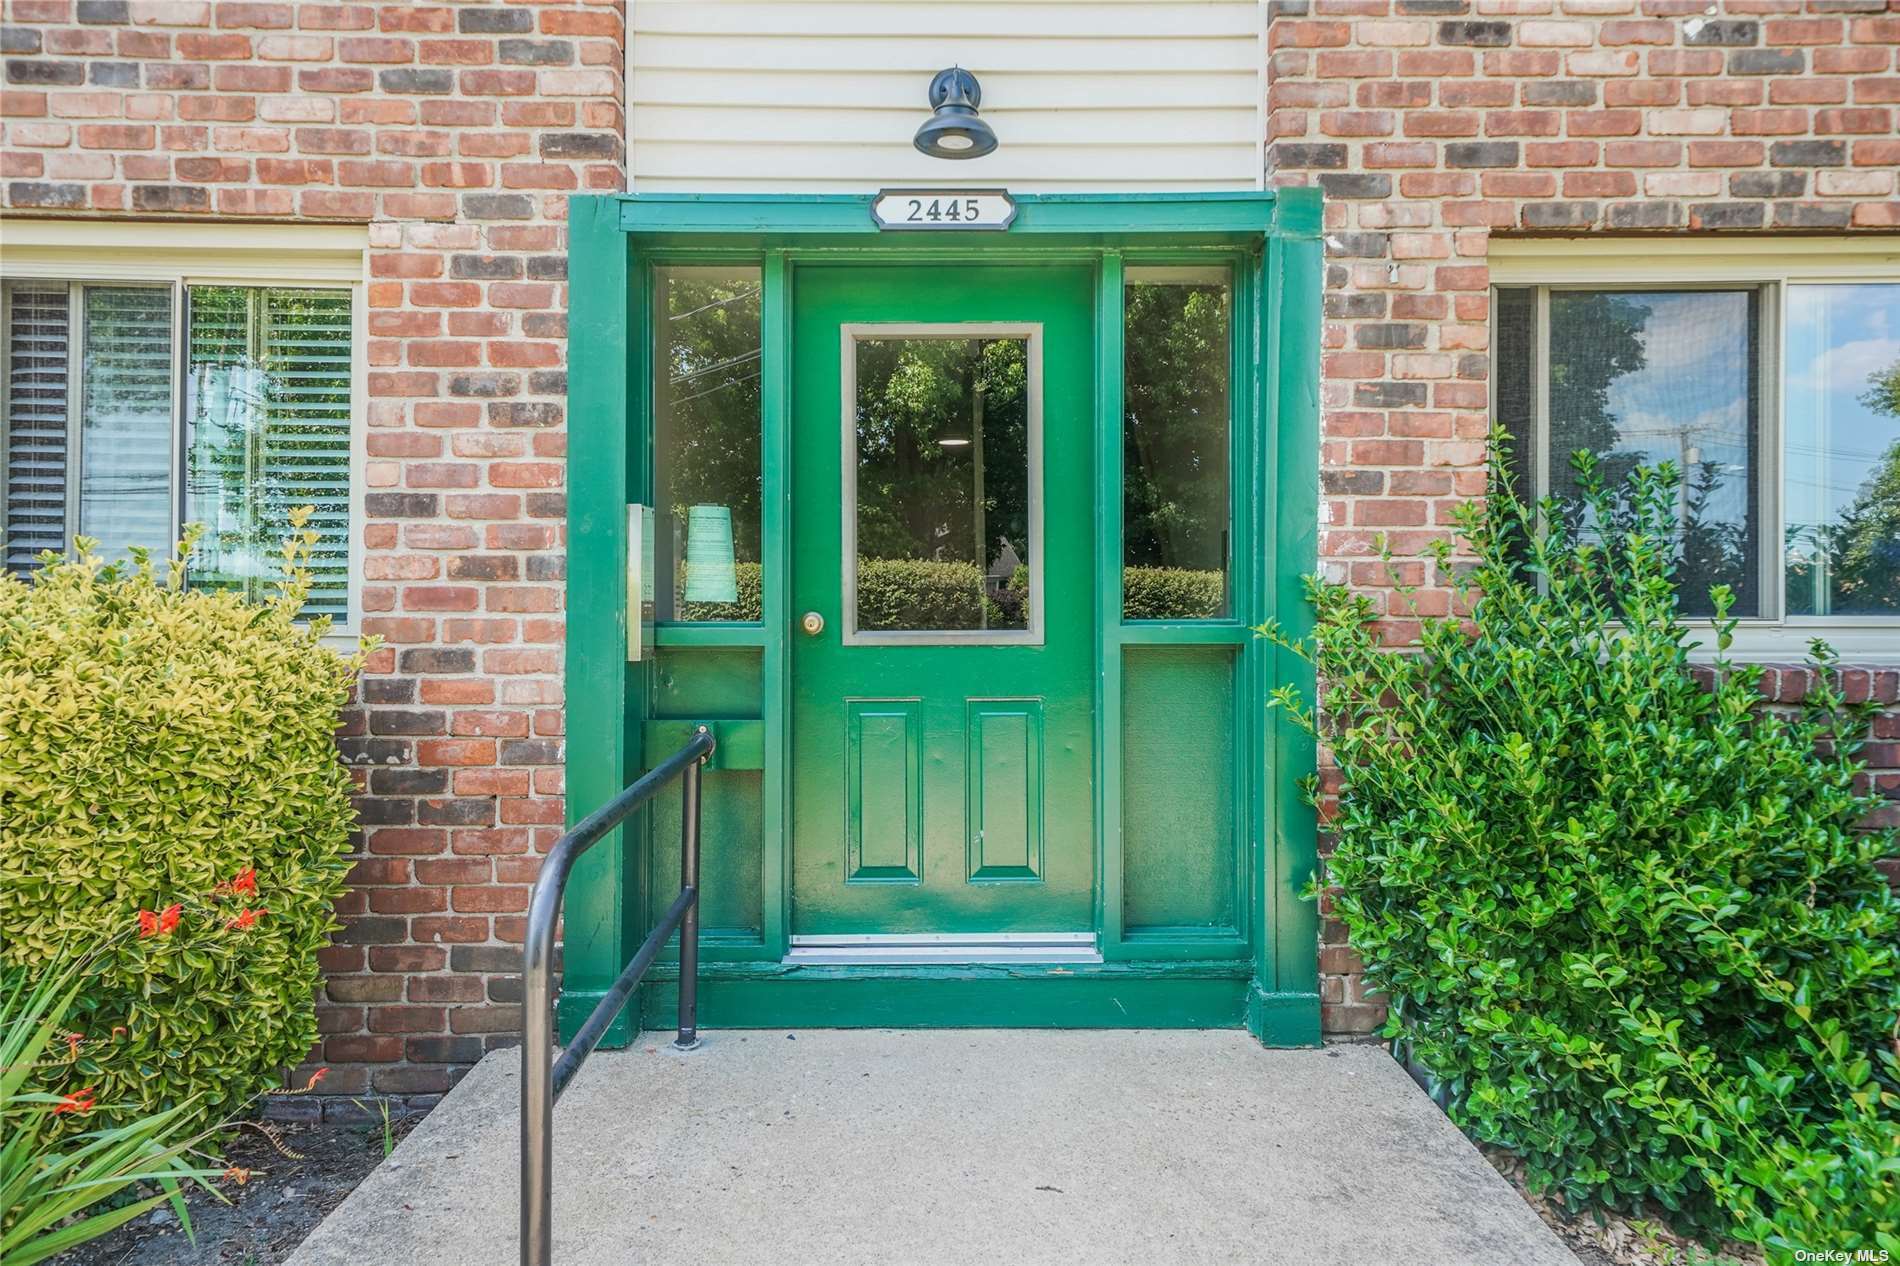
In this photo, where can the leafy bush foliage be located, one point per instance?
(1622, 912)
(170, 788)
(893, 593)
(51, 1176)
(1172, 593)
(890, 588)
(907, 593)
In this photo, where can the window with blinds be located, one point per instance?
(125, 418)
(134, 409)
(38, 338)
(268, 430)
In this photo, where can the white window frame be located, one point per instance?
(1766, 263)
(297, 257)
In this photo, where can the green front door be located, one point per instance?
(943, 595)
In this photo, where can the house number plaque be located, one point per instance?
(939, 209)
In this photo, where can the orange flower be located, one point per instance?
(80, 1103)
(246, 918)
(160, 923)
(315, 1078)
(238, 1174)
(246, 880)
(72, 1045)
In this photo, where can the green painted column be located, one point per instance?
(1283, 1009)
(606, 695)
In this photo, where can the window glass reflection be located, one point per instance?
(267, 407)
(1175, 444)
(125, 482)
(1641, 377)
(943, 484)
(1841, 450)
(706, 442)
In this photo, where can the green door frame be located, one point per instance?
(1266, 980)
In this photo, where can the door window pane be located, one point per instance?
(706, 441)
(943, 518)
(268, 411)
(1841, 450)
(38, 331)
(1640, 377)
(1175, 394)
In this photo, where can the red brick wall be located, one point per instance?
(1432, 124)
(456, 133)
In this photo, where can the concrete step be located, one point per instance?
(953, 1147)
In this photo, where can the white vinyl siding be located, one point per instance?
(793, 95)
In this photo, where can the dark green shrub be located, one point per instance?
(909, 593)
(895, 590)
(1172, 593)
(170, 788)
(1622, 912)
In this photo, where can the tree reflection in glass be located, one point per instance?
(706, 441)
(1642, 377)
(1841, 450)
(1174, 444)
(943, 494)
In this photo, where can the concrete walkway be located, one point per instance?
(958, 1147)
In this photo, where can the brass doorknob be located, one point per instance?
(812, 623)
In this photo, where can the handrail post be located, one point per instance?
(537, 1065)
(542, 1077)
(689, 924)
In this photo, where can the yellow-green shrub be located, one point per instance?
(157, 743)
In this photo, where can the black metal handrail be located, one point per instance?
(542, 1077)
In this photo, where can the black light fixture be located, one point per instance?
(953, 130)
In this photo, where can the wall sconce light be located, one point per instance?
(953, 130)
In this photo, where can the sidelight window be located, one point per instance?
(1176, 401)
(706, 412)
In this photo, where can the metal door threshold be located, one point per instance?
(895, 949)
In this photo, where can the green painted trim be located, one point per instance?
(1283, 1019)
(709, 634)
(1299, 212)
(797, 215)
(1288, 960)
(1107, 996)
(775, 681)
(1110, 305)
(1160, 944)
(740, 741)
(573, 1006)
(603, 900)
(1184, 633)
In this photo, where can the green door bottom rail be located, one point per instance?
(542, 1077)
